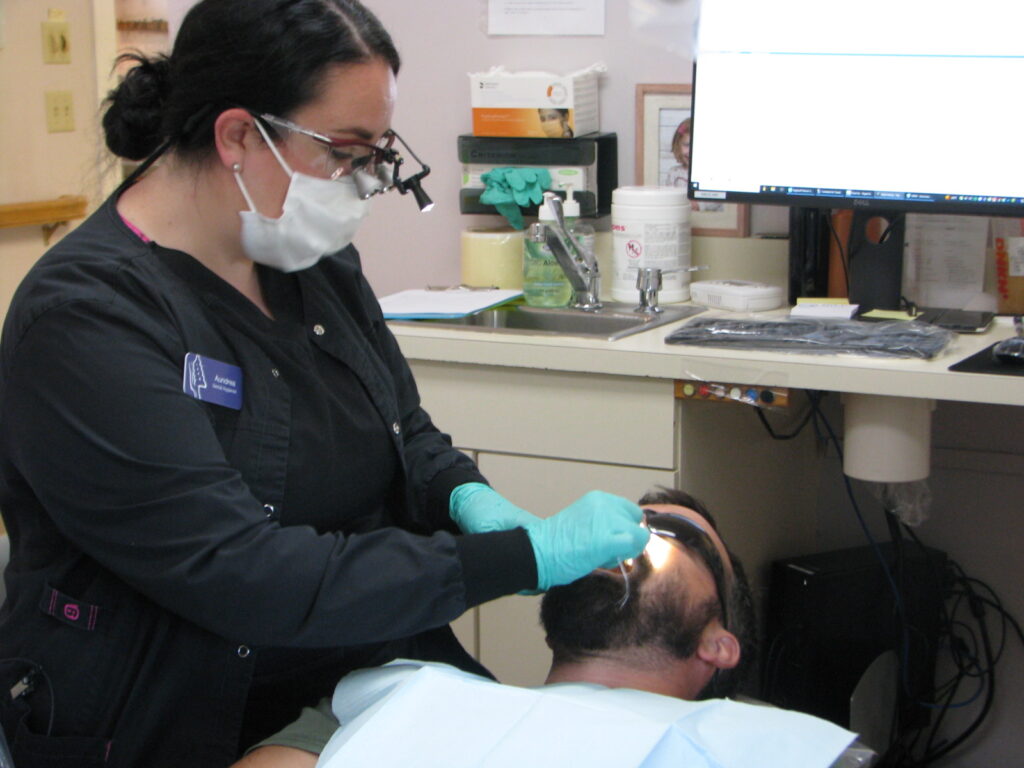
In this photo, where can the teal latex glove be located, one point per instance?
(477, 508)
(597, 530)
(511, 189)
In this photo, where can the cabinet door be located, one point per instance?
(511, 640)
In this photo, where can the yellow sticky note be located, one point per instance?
(887, 314)
(821, 300)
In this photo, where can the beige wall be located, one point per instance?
(403, 248)
(35, 164)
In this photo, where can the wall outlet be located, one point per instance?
(60, 114)
(56, 42)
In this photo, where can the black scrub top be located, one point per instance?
(171, 556)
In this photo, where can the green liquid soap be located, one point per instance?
(544, 282)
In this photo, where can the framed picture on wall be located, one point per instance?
(663, 114)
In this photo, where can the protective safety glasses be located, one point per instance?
(375, 168)
(690, 535)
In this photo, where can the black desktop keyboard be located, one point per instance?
(811, 335)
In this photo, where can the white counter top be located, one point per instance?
(647, 355)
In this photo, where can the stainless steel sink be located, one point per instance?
(613, 321)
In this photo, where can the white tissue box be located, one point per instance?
(514, 103)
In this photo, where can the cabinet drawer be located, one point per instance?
(617, 419)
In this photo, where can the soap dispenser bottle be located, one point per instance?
(544, 282)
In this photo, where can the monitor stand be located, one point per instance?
(875, 258)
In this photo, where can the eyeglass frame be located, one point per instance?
(383, 157)
(380, 154)
(686, 533)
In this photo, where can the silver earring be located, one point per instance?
(236, 167)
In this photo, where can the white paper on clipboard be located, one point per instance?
(944, 260)
(455, 302)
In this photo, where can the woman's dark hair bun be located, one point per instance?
(132, 122)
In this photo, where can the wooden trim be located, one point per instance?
(142, 25)
(55, 211)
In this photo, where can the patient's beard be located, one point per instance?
(588, 616)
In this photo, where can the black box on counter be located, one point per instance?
(589, 163)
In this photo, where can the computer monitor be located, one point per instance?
(877, 106)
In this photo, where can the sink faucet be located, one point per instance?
(577, 261)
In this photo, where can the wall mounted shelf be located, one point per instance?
(49, 214)
(142, 25)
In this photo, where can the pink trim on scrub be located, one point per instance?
(136, 230)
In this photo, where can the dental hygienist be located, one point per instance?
(221, 490)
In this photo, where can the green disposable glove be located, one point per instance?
(478, 508)
(597, 530)
(511, 189)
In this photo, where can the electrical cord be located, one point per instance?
(978, 611)
(808, 414)
(967, 642)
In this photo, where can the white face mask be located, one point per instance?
(318, 217)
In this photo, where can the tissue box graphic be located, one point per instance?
(535, 104)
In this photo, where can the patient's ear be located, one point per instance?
(719, 647)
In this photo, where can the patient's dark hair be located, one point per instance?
(739, 602)
(587, 617)
(264, 55)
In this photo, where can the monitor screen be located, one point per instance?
(911, 105)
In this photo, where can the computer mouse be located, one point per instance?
(1009, 351)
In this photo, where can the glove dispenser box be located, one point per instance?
(589, 163)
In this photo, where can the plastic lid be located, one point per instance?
(544, 212)
(650, 196)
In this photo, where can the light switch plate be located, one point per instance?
(56, 42)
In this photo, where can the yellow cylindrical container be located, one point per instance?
(492, 256)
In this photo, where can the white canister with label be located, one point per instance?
(650, 229)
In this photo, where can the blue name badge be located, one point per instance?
(212, 381)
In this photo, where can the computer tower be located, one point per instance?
(830, 615)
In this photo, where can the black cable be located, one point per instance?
(968, 665)
(978, 611)
(856, 508)
(886, 232)
(799, 428)
(943, 710)
(1006, 618)
(967, 662)
(972, 659)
